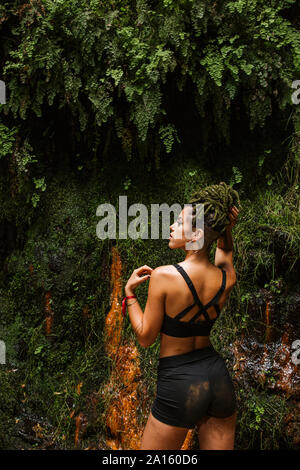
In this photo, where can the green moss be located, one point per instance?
(9, 406)
(261, 421)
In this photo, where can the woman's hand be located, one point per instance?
(137, 278)
(233, 215)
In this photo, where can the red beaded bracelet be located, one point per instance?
(124, 303)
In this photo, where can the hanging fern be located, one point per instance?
(168, 134)
(97, 61)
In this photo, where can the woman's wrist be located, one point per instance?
(132, 301)
(129, 291)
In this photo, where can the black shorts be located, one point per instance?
(191, 386)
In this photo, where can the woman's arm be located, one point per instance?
(148, 324)
(224, 250)
(225, 242)
(135, 312)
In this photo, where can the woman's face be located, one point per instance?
(181, 231)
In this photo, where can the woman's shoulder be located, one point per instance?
(164, 277)
(164, 270)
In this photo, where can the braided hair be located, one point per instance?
(217, 200)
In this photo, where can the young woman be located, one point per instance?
(184, 300)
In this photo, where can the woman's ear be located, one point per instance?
(197, 234)
(198, 240)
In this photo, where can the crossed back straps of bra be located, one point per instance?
(203, 308)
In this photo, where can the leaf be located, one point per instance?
(38, 349)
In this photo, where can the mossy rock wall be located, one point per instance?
(62, 272)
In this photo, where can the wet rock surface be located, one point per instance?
(34, 431)
(268, 365)
(264, 356)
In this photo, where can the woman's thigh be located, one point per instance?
(217, 433)
(161, 436)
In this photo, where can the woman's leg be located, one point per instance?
(217, 433)
(161, 436)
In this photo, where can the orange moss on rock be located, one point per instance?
(268, 325)
(49, 313)
(80, 425)
(114, 320)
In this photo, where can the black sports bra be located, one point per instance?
(181, 329)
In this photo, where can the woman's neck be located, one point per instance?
(198, 258)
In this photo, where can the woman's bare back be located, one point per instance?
(207, 281)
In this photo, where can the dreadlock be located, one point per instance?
(217, 200)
